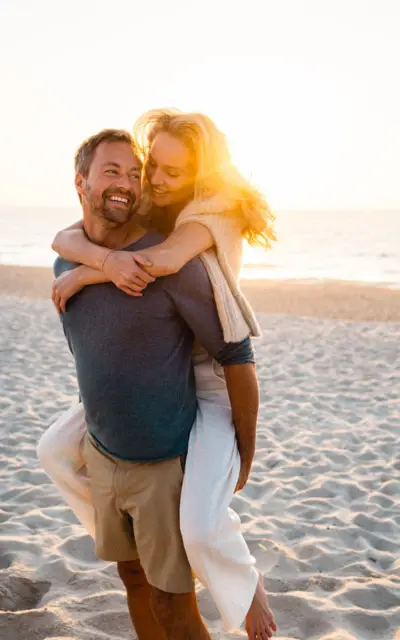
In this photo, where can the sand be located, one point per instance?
(330, 299)
(321, 511)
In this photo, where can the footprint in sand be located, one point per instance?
(18, 593)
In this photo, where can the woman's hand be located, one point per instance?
(66, 286)
(122, 268)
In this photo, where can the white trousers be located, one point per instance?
(216, 549)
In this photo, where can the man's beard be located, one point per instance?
(115, 214)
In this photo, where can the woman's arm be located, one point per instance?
(73, 244)
(71, 282)
(183, 244)
(122, 267)
(170, 256)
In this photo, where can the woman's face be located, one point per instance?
(170, 171)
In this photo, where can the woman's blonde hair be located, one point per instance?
(215, 172)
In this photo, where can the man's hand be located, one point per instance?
(122, 268)
(64, 287)
(241, 380)
(245, 468)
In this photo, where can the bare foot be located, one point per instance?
(260, 623)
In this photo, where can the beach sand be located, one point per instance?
(321, 511)
(330, 299)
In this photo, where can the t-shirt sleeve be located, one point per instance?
(61, 265)
(236, 353)
(192, 294)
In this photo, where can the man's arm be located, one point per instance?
(193, 296)
(60, 268)
(242, 383)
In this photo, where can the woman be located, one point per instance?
(192, 192)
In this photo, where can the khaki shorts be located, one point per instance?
(137, 516)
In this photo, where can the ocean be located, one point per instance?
(358, 246)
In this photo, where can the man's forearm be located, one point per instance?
(242, 384)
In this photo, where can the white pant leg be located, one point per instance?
(60, 453)
(215, 546)
(211, 533)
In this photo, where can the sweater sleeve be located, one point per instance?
(223, 263)
(191, 292)
(226, 225)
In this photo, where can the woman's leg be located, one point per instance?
(60, 453)
(215, 546)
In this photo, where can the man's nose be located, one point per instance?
(123, 181)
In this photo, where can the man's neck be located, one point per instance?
(112, 237)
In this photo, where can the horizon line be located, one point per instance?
(274, 210)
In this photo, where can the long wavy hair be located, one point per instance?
(215, 172)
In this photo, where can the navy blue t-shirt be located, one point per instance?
(133, 358)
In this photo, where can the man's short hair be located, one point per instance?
(85, 154)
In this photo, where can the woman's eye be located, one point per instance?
(173, 174)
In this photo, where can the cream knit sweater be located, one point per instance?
(223, 264)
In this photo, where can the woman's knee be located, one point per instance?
(56, 455)
(54, 460)
(45, 452)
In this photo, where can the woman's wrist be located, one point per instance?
(100, 255)
(106, 256)
(164, 260)
(82, 275)
(86, 276)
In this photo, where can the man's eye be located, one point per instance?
(135, 176)
(114, 172)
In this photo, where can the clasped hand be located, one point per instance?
(123, 268)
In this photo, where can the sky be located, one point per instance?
(307, 91)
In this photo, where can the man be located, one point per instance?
(133, 361)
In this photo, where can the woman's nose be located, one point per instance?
(157, 177)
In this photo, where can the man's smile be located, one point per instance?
(120, 200)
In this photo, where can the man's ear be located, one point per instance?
(80, 185)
